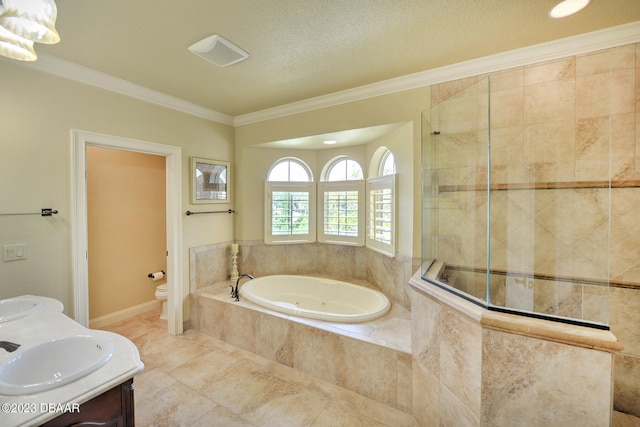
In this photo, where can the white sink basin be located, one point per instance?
(53, 364)
(15, 308)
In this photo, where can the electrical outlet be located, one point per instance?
(15, 252)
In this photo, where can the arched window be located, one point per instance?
(381, 205)
(344, 169)
(290, 170)
(388, 164)
(290, 203)
(341, 203)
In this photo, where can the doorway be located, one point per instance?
(81, 140)
(126, 210)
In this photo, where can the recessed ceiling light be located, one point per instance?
(330, 142)
(568, 7)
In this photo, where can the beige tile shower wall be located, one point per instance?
(573, 119)
(550, 122)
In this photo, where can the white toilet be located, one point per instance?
(161, 294)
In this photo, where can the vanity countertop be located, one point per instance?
(48, 324)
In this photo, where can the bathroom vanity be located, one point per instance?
(113, 408)
(83, 376)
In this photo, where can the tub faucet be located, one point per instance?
(234, 292)
(9, 346)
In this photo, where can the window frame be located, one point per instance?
(290, 187)
(383, 160)
(332, 165)
(308, 187)
(341, 186)
(299, 162)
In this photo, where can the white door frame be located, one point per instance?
(80, 140)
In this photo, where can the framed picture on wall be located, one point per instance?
(210, 181)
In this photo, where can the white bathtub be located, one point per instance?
(316, 298)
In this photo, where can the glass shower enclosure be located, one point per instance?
(506, 222)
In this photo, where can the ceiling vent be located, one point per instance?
(218, 50)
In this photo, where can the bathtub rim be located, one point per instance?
(314, 314)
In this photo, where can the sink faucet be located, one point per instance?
(234, 292)
(9, 346)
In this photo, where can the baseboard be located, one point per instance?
(117, 316)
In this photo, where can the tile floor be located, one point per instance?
(196, 380)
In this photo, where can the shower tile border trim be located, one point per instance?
(579, 336)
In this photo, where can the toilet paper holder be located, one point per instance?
(153, 275)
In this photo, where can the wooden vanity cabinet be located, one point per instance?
(113, 408)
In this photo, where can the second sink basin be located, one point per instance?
(54, 363)
(15, 308)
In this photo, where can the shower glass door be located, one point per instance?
(508, 222)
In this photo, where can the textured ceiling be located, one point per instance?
(303, 48)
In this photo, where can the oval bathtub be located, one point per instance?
(316, 298)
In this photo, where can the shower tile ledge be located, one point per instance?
(579, 336)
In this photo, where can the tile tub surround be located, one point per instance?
(209, 264)
(370, 358)
(343, 262)
(476, 367)
(205, 382)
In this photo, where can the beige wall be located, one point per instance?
(126, 210)
(38, 112)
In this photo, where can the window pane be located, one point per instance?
(338, 171)
(345, 170)
(297, 173)
(289, 213)
(380, 211)
(341, 213)
(289, 171)
(389, 164)
(280, 172)
(354, 171)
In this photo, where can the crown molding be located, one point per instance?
(69, 70)
(575, 45)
